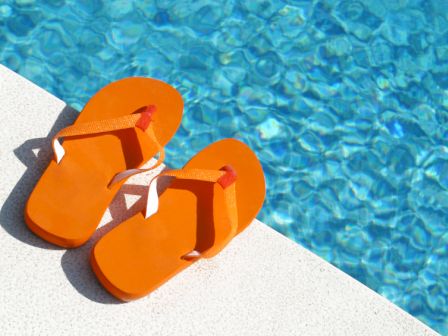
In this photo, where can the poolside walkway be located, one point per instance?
(262, 284)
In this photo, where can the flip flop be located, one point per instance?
(121, 127)
(214, 197)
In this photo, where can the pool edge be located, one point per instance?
(327, 298)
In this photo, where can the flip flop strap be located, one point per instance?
(142, 120)
(225, 178)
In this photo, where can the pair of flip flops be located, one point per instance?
(209, 201)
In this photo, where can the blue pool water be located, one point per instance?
(345, 102)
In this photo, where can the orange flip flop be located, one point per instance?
(121, 127)
(213, 198)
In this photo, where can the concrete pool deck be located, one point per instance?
(262, 284)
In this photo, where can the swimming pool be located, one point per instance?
(345, 103)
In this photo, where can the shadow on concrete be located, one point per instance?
(11, 213)
(75, 262)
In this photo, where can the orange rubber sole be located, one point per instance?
(70, 198)
(141, 254)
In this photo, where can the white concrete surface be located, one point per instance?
(262, 284)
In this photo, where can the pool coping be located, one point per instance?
(262, 283)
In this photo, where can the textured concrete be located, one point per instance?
(262, 284)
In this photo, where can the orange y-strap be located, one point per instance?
(225, 177)
(142, 120)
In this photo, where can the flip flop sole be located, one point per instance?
(70, 198)
(140, 255)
